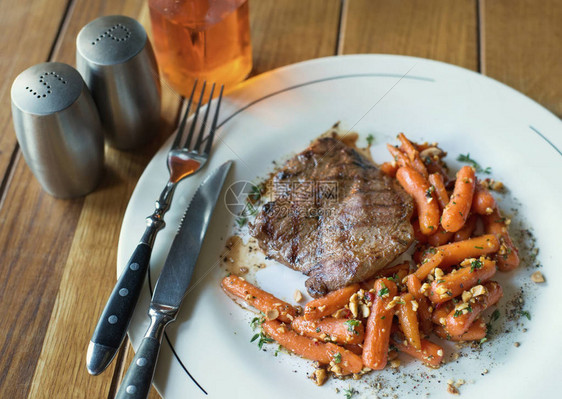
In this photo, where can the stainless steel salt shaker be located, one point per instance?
(58, 129)
(116, 60)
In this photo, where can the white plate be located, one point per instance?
(278, 113)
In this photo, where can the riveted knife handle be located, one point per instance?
(114, 321)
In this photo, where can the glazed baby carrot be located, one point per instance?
(461, 317)
(414, 287)
(328, 304)
(413, 155)
(418, 235)
(399, 157)
(456, 252)
(272, 307)
(418, 187)
(472, 272)
(343, 331)
(437, 181)
(483, 203)
(431, 354)
(342, 360)
(408, 319)
(389, 168)
(379, 324)
(467, 229)
(475, 332)
(456, 211)
(428, 264)
(508, 256)
(441, 311)
(441, 237)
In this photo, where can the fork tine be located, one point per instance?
(194, 120)
(181, 128)
(214, 125)
(204, 123)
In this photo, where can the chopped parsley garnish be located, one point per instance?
(370, 140)
(349, 393)
(495, 315)
(241, 221)
(256, 192)
(318, 329)
(384, 290)
(277, 350)
(440, 281)
(351, 324)
(263, 339)
(467, 159)
(482, 340)
(477, 247)
(525, 313)
(337, 358)
(429, 191)
(475, 265)
(257, 321)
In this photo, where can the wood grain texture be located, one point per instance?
(289, 31)
(28, 34)
(522, 47)
(442, 30)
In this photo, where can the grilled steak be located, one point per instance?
(334, 216)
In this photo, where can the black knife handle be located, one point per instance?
(115, 318)
(137, 381)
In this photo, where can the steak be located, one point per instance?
(334, 216)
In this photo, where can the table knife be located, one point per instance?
(173, 283)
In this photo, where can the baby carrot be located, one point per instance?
(437, 181)
(342, 360)
(467, 229)
(461, 317)
(475, 332)
(472, 272)
(456, 211)
(408, 319)
(328, 304)
(483, 203)
(429, 264)
(441, 311)
(431, 354)
(424, 314)
(418, 187)
(389, 168)
(441, 237)
(399, 157)
(379, 324)
(413, 155)
(272, 307)
(343, 331)
(508, 256)
(456, 252)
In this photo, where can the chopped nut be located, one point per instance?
(297, 296)
(517, 344)
(365, 310)
(438, 273)
(478, 290)
(281, 329)
(272, 314)
(425, 288)
(414, 305)
(537, 277)
(395, 363)
(460, 382)
(319, 376)
(432, 152)
(489, 211)
(393, 302)
(452, 389)
(440, 352)
(339, 314)
(322, 308)
(353, 308)
(441, 290)
(466, 296)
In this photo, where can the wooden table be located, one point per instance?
(58, 256)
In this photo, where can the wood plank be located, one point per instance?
(442, 30)
(291, 31)
(28, 34)
(522, 47)
(89, 271)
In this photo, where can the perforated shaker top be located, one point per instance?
(46, 88)
(111, 40)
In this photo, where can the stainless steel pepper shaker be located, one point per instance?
(116, 60)
(58, 129)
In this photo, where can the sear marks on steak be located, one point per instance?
(335, 241)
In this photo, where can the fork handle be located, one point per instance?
(114, 321)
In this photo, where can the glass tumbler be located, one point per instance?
(201, 39)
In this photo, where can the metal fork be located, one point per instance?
(183, 160)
